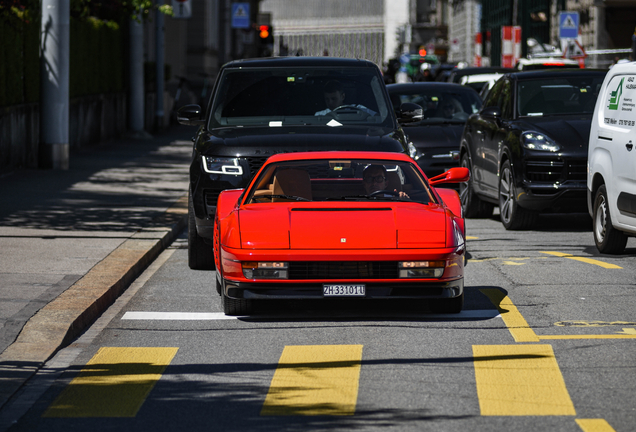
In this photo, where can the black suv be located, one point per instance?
(261, 107)
(527, 147)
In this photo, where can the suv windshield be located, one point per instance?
(562, 95)
(275, 97)
(440, 105)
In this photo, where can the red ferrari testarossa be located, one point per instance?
(320, 225)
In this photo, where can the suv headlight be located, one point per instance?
(413, 150)
(216, 165)
(538, 141)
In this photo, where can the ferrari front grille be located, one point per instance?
(343, 270)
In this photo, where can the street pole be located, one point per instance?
(136, 91)
(159, 61)
(54, 84)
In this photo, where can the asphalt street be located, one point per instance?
(71, 241)
(545, 342)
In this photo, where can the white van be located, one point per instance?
(611, 179)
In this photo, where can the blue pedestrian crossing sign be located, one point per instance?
(568, 25)
(241, 15)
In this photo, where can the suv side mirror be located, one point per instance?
(190, 115)
(491, 112)
(409, 113)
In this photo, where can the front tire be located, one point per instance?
(447, 306)
(513, 217)
(236, 307)
(200, 254)
(608, 239)
(472, 205)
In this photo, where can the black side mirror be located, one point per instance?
(491, 112)
(190, 115)
(409, 113)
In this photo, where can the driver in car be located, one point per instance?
(375, 182)
(334, 98)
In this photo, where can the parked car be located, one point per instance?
(546, 63)
(446, 108)
(527, 147)
(326, 225)
(478, 81)
(260, 107)
(457, 74)
(611, 180)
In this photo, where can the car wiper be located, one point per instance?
(291, 197)
(367, 197)
(347, 197)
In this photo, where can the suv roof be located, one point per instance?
(299, 61)
(552, 73)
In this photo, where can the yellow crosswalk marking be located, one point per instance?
(315, 380)
(114, 383)
(594, 425)
(585, 260)
(520, 380)
(516, 323)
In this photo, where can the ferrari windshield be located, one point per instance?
(293, 96)
(340, 180)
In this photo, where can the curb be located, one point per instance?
(59, 322)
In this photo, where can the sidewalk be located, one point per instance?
(72, 241)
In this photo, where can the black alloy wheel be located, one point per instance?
(200, 254)
(513, 217)
(608, 239)
(472, 205)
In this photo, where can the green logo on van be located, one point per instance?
(615, 96)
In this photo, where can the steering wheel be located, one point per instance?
(349, 107)
(384, 192)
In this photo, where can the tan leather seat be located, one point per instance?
(293, 182)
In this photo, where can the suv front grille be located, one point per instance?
(211, 197)
(255, 163)
(343, 270)
(552, 171)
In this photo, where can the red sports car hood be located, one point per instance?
(307, 226)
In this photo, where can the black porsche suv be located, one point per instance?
(527, 147)
(260, 107)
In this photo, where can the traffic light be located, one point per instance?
(263, 32)
(265, 38)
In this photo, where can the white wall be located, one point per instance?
(396, 14)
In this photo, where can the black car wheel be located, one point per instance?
(513, 217)
(200, 254)
(472, 206)
(236, 306)
(452, 305)
(608, 240)
(219, 288)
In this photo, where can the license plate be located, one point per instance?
(344, 290)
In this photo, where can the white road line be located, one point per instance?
(212, 316)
